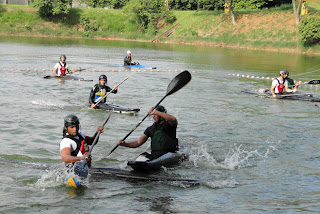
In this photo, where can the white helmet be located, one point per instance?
(128, 52)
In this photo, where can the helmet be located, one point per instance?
(102, 76)
(161, 109)
(128, 52)
(64, 56)
(71, 120)
(284, 72)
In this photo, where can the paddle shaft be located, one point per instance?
(112, 90)
(98, 134)
(136, 126)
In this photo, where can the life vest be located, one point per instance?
(81, 146)
(63, 68)
(161, 144)
(280, 87)
(101, 93)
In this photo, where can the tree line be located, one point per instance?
(148, 13)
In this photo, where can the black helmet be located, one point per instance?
(161, 109)
(71, 120)
(284, 72)
(64, 56)
(102, 76)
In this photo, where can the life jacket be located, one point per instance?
(81, 146)
(280, 87)
(101, 93)
(161, 144)
(63, 68)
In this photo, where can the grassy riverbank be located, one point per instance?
(273, 29)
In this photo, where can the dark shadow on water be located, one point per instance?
(161, 204)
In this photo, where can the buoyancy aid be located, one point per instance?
(161, 144)
(63, 68)
(100, 93)
(81, 146)
(280, 87)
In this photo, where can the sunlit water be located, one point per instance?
(252, 154)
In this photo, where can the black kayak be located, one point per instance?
(66, 77)
(287, 96)
(136, 176)
(170, 159)
(117, 108)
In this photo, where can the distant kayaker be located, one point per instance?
(74, 144)
(61, 68)
(162, 133)
(280, 84)
(128, 59)
(99, 91)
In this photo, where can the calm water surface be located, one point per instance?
(254, 155)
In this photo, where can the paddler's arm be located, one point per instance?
(54, 72)
(92, 96)
(100, 129)
(272, 91)
(68, 158)
(141, 140)
(168, 117)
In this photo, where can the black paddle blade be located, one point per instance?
(314, 82)
(80, 168)
(178, 82)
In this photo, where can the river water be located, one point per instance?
(252, 154)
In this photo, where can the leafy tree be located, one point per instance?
(49, 8)
(148, 13)
(309, 30)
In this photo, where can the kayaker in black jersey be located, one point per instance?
(162, 133)
(128, 59)
(61, 68)
(74, 144)
(291, 83)
(99, 91)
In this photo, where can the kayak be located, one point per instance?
(135, 175)
(117, 108)
(169, 159)
(287, 96)
(135, 66)
(67, 77)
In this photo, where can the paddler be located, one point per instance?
(280, 84)
(99, 91)
(74, 144)
(291, 83)
(162, 133)
(61, 68)
(128, 59)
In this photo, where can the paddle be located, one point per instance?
(176, 84)
(101, 98)
(80, 168)
(313, 82)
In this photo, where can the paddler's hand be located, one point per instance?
(152, 111)
(86, 155)
(121, 143)
(274, 96)
(100, 129)
(93, 105)
(115, 87)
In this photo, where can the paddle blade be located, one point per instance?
(178, 82)
(80, 168)
(314, 82)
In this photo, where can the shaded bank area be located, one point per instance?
(271, 30)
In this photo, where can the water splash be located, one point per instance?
(48, 103)
(236, 157)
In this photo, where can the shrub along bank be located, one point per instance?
(272, 29)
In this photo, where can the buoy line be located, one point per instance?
(94, 70)
(268, 78)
